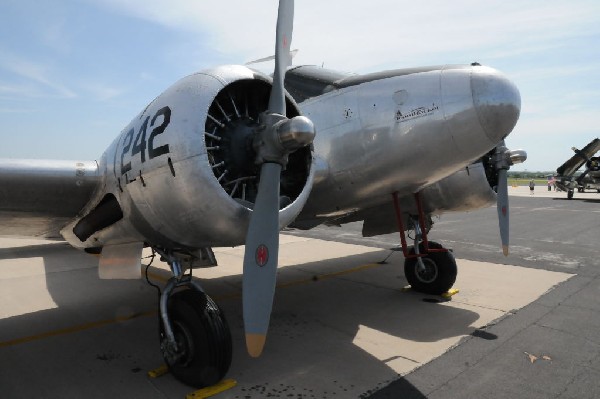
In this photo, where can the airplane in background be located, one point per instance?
(589, 179)
(228, 156)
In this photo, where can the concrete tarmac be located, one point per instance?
(551, 347)
(342, 325)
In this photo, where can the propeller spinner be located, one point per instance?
(275, 138)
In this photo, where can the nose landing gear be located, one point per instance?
(194, 335)
(201, 355)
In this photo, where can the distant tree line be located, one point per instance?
(530, 175)
(535, 175)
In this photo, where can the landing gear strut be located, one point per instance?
(428, 266)
(194, 336)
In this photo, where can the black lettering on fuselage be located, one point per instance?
(133, 147)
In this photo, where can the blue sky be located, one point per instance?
(73, 73)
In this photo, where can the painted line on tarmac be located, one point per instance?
(318, 277)
(160, 277)
(73, 329)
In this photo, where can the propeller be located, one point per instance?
(591, 165)
(275, 138)
(504, 159)
(503, 209)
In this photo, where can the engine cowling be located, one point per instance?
(467, 189)
(593, 164)
(183, 173)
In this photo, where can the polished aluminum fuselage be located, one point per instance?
(403, 131)
(174, 199)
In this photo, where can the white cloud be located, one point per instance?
(543, 73)
(146, 76)
(36, 73)
(15, 110)
(102, 92)
(558, 122)
(526, 39)
(365, 35)
(53, 33)
(11, 91)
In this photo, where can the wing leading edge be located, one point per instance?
(39, 197)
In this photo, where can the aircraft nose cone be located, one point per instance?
(497, 102)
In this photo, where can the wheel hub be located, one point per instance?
(185, 345)
(428, 272)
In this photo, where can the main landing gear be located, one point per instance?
(432, 273)
(428, 266)
(194, 336)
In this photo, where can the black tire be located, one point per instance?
(570, 194)
(202, 332)
(440, 273)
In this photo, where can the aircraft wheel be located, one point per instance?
(439, 274)
(203, 338)
(570, 194)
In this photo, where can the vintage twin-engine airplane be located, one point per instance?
(227, 156)
(590, 178)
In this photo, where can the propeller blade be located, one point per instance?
(274, 140)
(285, 27)
(503, 211)
(503, 160)
(260, 259)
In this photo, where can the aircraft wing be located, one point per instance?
(39, 197)
(576, 161)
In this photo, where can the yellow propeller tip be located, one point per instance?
(505, 250)
(255, 344)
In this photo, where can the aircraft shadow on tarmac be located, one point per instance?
(32, 251)
(71, 279)
(314, 322)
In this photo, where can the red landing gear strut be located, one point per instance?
(429, 268)
(420, 229)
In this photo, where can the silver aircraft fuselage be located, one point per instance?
(165, 180)
(403, 131)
